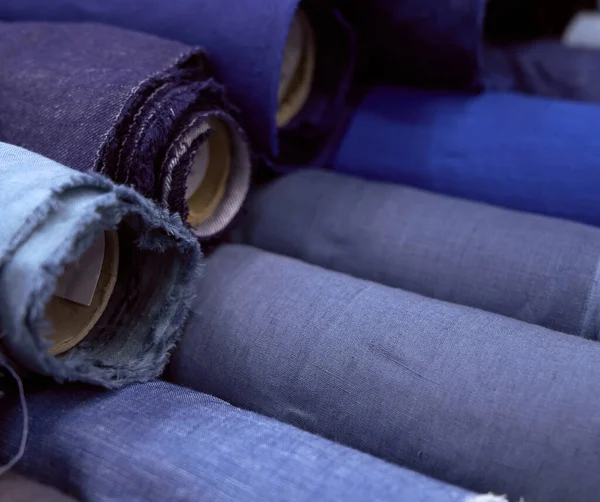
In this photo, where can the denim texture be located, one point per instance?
(14, 488)
(544, 67)
(157, 441)
(99, 98)
(533, 268)
(521, 152)
(245, 41)
(468, 397)
(51, 215)
(422, 42)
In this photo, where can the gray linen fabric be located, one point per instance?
(533, 268)
(469, 397)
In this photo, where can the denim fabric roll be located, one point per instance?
(425, 42)
(288, 70)
(546, 68)
(521, 152)
(52, 218)
(143, 111)
(15, 488)
(533, 268)
(156, 441)
(468, 397)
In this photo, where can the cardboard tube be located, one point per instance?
(72, 322)
(294, 91)
(210, 192)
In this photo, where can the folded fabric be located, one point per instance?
(141, 110)
(149, 440)
(15, 488)
(299, 86)
(424, 42)
(521, 152)
(544, 67)
(51, 217)
(468, 397)
(533, 268)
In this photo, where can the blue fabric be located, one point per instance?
(544, 67)
(533, 268)
(427, 42)
(459, 394)
(245, 41)
(125, 104)
(156, 442)
(520, 152)
(50, 216)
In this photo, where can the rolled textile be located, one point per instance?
(282, 67)
(14, 488)
(148, 440)
(520, 152)
(533, 268)
(543, 67)
(143, 111)
(471, 398)
(420, 42)
(52, 217)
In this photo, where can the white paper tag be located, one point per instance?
(198, 171)
(79, 281)
(583, 31)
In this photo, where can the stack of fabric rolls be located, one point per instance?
(299, 250)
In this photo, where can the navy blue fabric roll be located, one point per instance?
(544, 67)
(246, 42)
(426, 42)
(533, 268)
(521, 152)
(156, 442)
(471, 398)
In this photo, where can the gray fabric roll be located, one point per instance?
(469, 397)
(533, 268)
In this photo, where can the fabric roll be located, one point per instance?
(468, 397)
(52, 216)
(14, 488)
(420, 42)
(545, 68)
(146, 440)
(520, 152)
(131, 106)
(282, 66)
(536, 269)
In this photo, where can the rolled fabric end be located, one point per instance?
(52, 216)
(583, 31)
(297, 70)
(219, 178)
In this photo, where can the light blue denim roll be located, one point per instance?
(155, 442)
(50, 216)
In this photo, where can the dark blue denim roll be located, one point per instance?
(134, 107)
(521, 152)
(459, 394)
(543, 67)
(156, 441)
(246, 42)
(422, 42)
(533, 268)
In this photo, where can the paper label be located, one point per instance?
(198, 170)
(79, 281)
